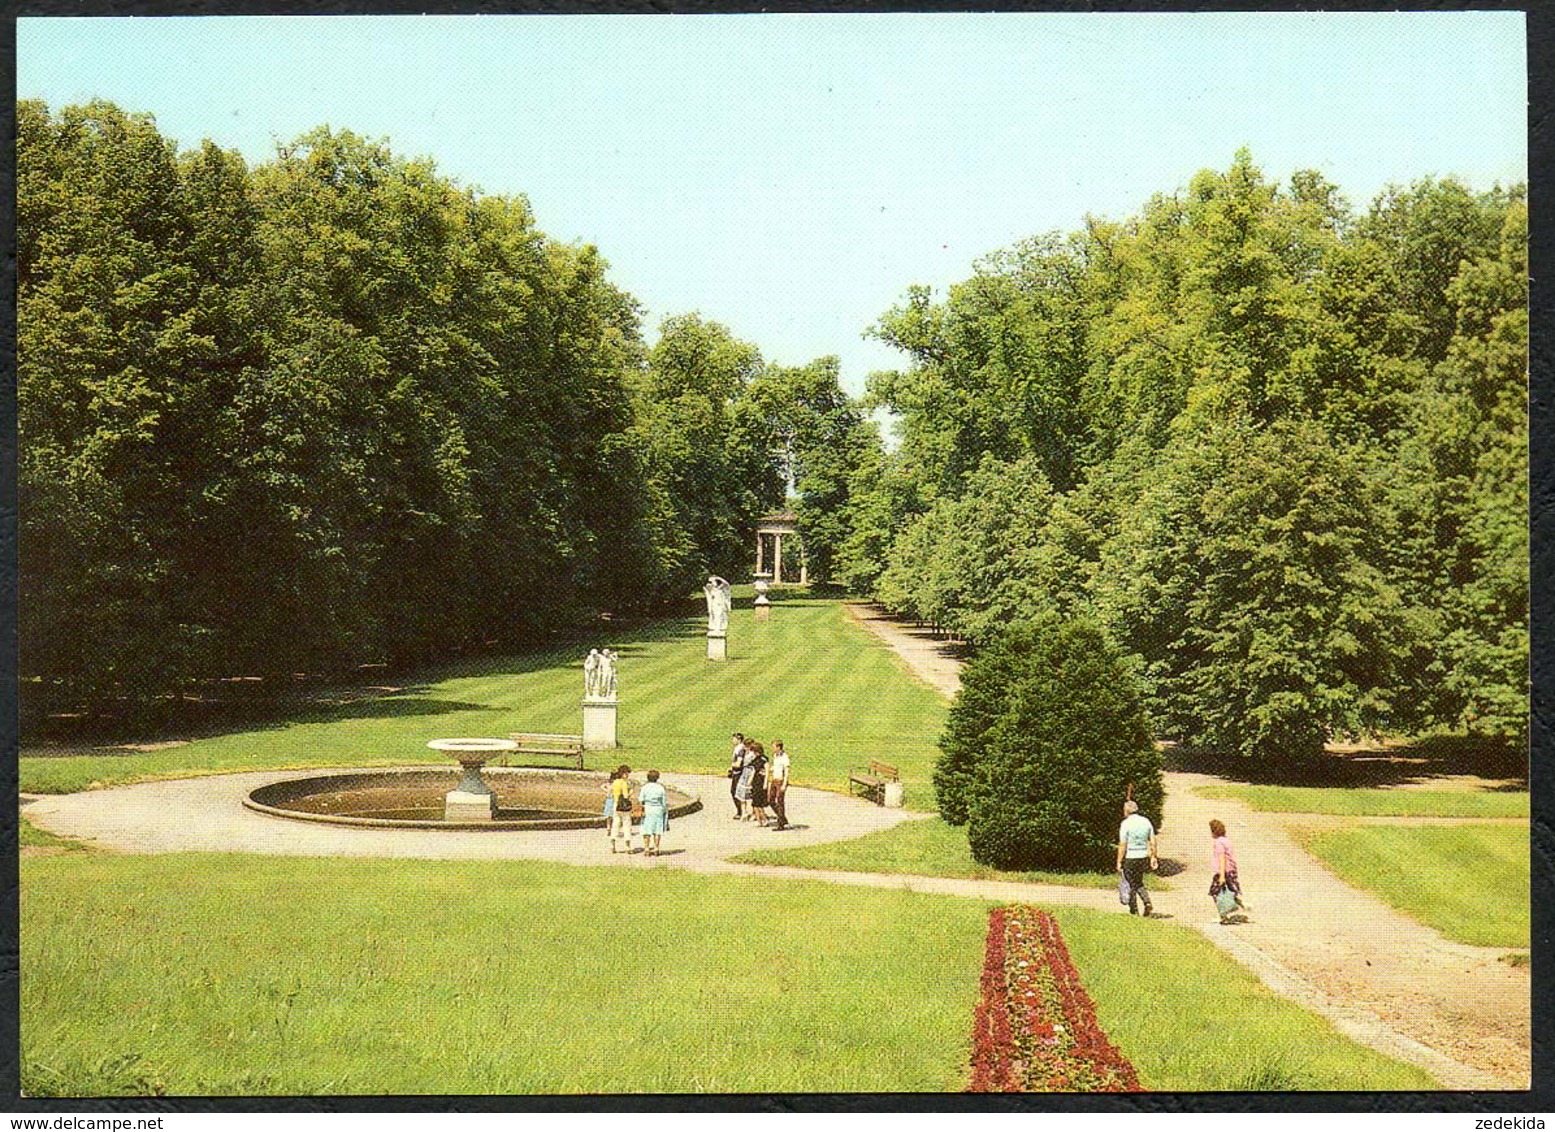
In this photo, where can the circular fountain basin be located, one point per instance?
(412, 798)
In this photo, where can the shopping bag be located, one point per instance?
(1225, 902)
(1122, 889)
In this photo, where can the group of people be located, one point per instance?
(1137, 856)
(652, 806)
(757, 783)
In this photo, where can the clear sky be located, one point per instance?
(791, 175)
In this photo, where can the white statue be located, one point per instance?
(591, 673)
(720, 596)
(607, 674)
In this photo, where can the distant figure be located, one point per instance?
(1223, 861)
(720, 596)
(1136, 852)
(621, 815)
(759, 766)
(610, 808)
(656, 813)
(742, 788)
(736, 765)
(777, 783)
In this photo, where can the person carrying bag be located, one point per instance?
(1224, 887)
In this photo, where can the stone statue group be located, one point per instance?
(599, 674)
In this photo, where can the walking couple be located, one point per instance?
(1137, 854)
(759, 782)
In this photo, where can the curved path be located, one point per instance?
(207, 814)
(1384, 979)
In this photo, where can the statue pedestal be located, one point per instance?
(763, 612)
(462, 805)
(763, 602)
(717, 647)
(599, 725)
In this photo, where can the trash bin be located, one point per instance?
(893, 795)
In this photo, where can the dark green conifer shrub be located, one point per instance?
(1042, 745)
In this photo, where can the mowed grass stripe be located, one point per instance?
(807, 676)
(1376, 802)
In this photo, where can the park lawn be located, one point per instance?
(1469, 882)
(925, 847)
(1375, 802)
(827, 687)
(1191, 1019)
(29, 836)
(228, 975)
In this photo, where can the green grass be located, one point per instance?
(1469, 882)
(1191, 1019)
(1373, 802)
(224, 975)
(30, 836)
(1516, 959)
(828, 688)
(926, 847)
(209, 974)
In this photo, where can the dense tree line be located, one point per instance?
(1275, 447)
(336, 408)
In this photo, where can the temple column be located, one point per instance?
(777, 558)
(758, 552)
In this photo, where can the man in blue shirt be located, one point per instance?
(1136, 851)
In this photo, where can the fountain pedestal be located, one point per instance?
(763, 602)
(472, 799)
(599, 725)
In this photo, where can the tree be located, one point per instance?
(823, 439)
(1284, 450)
(1457, 488)
(1044, 742)
(710, 451)
(269, 417)
(130, 336)
(1248, 580)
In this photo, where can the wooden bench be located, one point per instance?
(871, 782)
(570, 746)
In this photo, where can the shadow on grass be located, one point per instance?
(275, 715)
(222, 707)
(1382, 764)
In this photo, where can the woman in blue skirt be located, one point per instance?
(656, 813)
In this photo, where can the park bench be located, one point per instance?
(529, 743)
(871, 781)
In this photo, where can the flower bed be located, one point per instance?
(1034, 1029)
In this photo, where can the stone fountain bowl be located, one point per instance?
(412, 798)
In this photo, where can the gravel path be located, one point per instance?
(1382, 978)
(207, 815)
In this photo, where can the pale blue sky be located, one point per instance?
(791, 175)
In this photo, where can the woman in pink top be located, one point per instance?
(1223, 861)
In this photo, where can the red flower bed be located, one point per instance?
(1034, 1029)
